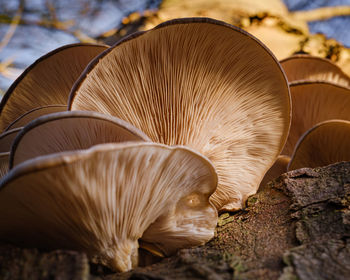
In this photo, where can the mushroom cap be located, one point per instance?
(4, 163)
(47, 81)
(68, 131)
(101, 200)
(314, 102)
(6, 139)
(200, 83)
(35, 113)
(278, 168)
(313, 68)
(324, 144)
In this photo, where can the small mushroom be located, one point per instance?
(323, 144)
(102, 200)
(200, 83)
(314, 102)
(67, 131)
(312, 68)
(6, 139)
(4, 163)
(47, 81)
(35, 113)
(278, 168)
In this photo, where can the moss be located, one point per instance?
(251, 201)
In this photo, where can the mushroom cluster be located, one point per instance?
(108, 149)
(319, 132)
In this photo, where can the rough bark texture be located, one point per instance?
(321, 208)
(16, 263)
(297, 227)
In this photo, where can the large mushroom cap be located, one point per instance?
(314, 102)
(67, 131)
(6, 139)
(324, 144)
(312, 68)
(35, 113)
(101, 200)
(200, 83)
(47, 81)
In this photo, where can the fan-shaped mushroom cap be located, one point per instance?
(324, 144)
(312, 68)
(200, 83)
(67, 131)
(101, 200)
(47, 81)
(4, 163)
(278, 168)
(314, 102)
(36, 113)
(6, 139)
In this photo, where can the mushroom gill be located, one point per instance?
(35, 113)
(68, 131)
(101, 200)
(312, 68)
(314, 102)
(6, 139)
(4, 163)
(278, 168)
(200, 83)
(323, 144)
(47, 81)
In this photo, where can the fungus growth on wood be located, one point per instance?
(212, 98)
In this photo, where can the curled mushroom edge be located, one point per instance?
(142, 190)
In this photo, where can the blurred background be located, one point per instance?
(31, 28)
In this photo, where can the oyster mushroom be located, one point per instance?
(47, 81)
(4, 163)
(312, 68)
(278, 168)
(101, 200)
(314, 102)
(200, 83)
(6, 139)
(35, 113)
(67, 131)
(323, 144)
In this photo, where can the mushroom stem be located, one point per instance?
(123, 257)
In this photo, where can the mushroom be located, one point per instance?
(323, 144)
(4, 163)
(312, 68)
(47, 81)
(314, 102)
(6, 139)
(66, 131)
(278, 168)
(201, 83)
(101, 200)
(35, 113)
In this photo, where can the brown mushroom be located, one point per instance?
(314, 102)
(4, 163)
(278, 168)
(35, 113)
(47, 81)
(312, 68)
(324, 144)
(6, 139)
(201, 83)
(101, 200)
(67, 131)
